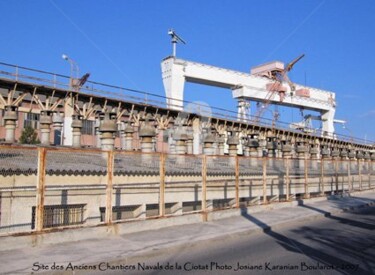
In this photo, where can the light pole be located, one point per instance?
(74, 70)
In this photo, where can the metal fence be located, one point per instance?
(45, 188)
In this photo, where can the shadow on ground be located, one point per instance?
(344, 249)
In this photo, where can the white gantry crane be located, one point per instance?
(267, 84)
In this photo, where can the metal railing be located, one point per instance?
(52, 80)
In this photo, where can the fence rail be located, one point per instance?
(44, 188)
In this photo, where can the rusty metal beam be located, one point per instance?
(40, 187)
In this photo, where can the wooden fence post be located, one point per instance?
(109, 188)
(40, 189)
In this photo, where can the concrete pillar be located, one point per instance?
(45, 127)
(197, 136)
(97, 132)
(57, 125)
(68, 120)
(146, 133)
(271, 147)
(359, 155)
(232, 142)
(107, 129)
(171, 142)
(279, 153)
(128, 131)
(208, 145)
(220, 145)
(335, 153)
(76, 130)
(344, 158)
(189, 143)
(344, 154)
(10, 118)
(301, 150)
(246, 148)
(121, 130)
(351, 156)
(262, 146)
(326, 155)
(180, 137)
(314, 152)
(286, 149)
(253, 145)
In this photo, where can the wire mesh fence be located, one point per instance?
(136, 186)
(74, 188)
(221, 182)
(250, 181)
(45, 188)
(183, 184)
(18, 175)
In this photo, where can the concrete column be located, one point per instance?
(271, 147)
(246, 149)
(128, 131)
(180, 137)
(326, 155)
(220, 145)
(208, 144)
(352, 156)
(121, 130)
(286, 150)
(45, 127)
(146, 133)
(314, 151)
(97, 132)
(344, 154)
(279, 153)
(171, 142)
(253, 145)
(76, 130)
(189, 144)
(10, 118)
(107, 129)
(344, 157)
(301, 154)
(57, 125)
(262, 146)
(232, 143)
(197, 136)
(359, 155)
(335, 153)
(68, 120)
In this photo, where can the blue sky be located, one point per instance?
(123, 42)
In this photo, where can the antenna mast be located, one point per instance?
(175, 39)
